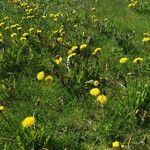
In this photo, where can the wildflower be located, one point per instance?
(146, 38)
(23, 39)
(31, 30)
(2, 24)
(74, 11)
(5, 18)
(133, 4)
(123, 146)
(55, 31)
(7, 28)
(59, 40)
(40, 76)
(13, 35)
(71, 55)
(93, 9)
(72, 50)
(2, 108)
(14, 26)
(93, 17)
(95, 20)
(95, 91)
(74, 47)
(102, 99)
(75, 25)
(83, 46)
(39, 31)
(49, 78)
(55, 19)
(28, 121)
(116, 144)
(23, 18)
(96, 50)
(130, 5)
(19, 28)
(123, 60)
(138, 60)
(25, 34)
(44, 17)
(58, 60)
(96, 83)
(51, 15)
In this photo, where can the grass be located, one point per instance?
(66, 115)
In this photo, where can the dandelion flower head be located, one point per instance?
(123, 60)
(102, 99)
(138, 60)
(28, 121)
(40, 76)
(2, 108)
(116, 144)
(95, 91)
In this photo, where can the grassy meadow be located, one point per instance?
(75, 75)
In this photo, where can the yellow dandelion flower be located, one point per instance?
(19, 28)
(23, 39)
(31, 30)
(49, 78)
(13, 35)
(74, 47)
(146, 34)
(5, 18)
(116, 144)
(44, 17)
(95, 91)
(93, 17)
(2, 108)
(2, 24)
(83, 46)
(51, 15)
(123, 146)
(72, 50)
(102, 99)
(28, 121)
(93, 9)
(71, 55)
(58, 60)
(130, 5)
(135, 3)
(39, 31)
(7, 28)
(146, 39)
(138, 60)
(23, 18)
(55, 19)
(95, 20)
(55, 31)
(96, 50)
(75, 25)
(59, 40)
(74, 11)
(40, 76)
(96, 83)
(25, 34)
(123, 60)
